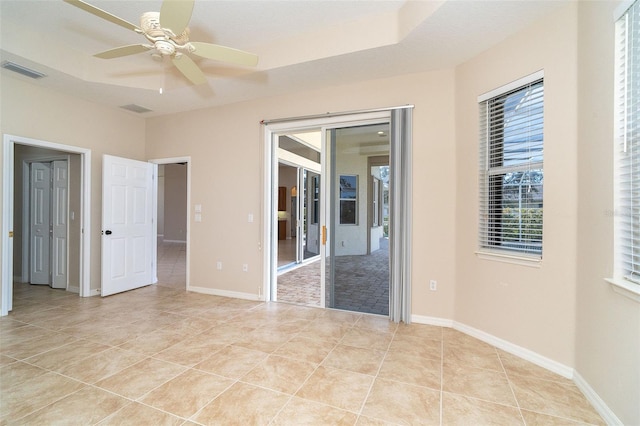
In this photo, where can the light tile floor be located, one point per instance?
(161, 355)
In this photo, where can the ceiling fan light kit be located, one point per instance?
(168, 35)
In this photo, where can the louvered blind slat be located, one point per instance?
(511, 171)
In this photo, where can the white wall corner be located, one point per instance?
(601, 407)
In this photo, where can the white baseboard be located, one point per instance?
(93, 292)
(601, 407)
(224, 293)
(506, 346)
(174, 241)
(440, 322)
(73, 289)
(516, 350)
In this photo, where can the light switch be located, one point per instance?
(198, 208)
(198, 217)
(250, 218)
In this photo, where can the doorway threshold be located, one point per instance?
(293, 266)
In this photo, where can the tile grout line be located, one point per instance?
(511, 387)
(373, 382)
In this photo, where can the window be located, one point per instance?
(314, 216)
(348, 199)
(627, 149)
(511, 168)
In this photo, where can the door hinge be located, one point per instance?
(10, 234)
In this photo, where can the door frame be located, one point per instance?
(6, 284)
(273, 129)
(174, 160)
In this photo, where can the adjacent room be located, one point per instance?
(334, 212)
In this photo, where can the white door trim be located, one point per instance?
(173, 160)
(6, 284)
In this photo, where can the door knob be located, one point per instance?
(108, 232)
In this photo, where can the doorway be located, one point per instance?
(18, 152)
(172, 214)
(399, 121)
(297, 277)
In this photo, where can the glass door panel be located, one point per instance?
(357, 252)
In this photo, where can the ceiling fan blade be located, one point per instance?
(176, 14)
(225, 54)
(189, 68)
(102, 14)
(118, 52)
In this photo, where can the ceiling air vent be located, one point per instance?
(11, 66)
(135, 108)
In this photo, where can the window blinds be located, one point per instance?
(627, 155)
(511, 170)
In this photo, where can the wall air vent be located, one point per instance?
(11, 66)
(135, 108)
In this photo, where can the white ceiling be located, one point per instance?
(302, 44)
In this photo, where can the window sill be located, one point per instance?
(625, 288)
(533, 262)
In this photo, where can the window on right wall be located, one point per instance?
(627, 147)
(511, 169)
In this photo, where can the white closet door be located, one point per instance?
(59, 220)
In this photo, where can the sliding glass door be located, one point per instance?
(353, 209)
(357, 253)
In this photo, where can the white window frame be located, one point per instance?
(487, 250)
(626, 279)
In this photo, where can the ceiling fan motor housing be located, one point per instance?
(165, 48)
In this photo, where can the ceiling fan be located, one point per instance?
(168, 36)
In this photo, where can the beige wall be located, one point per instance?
(32, 112)
(562, 309)
(608, 324)
(225, 145)
(533, 307)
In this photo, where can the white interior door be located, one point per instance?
(128, 233)
(59, 217)
(40, 224)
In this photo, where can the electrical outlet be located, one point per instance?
(219, 266)
(433, 285)
(245, 267)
